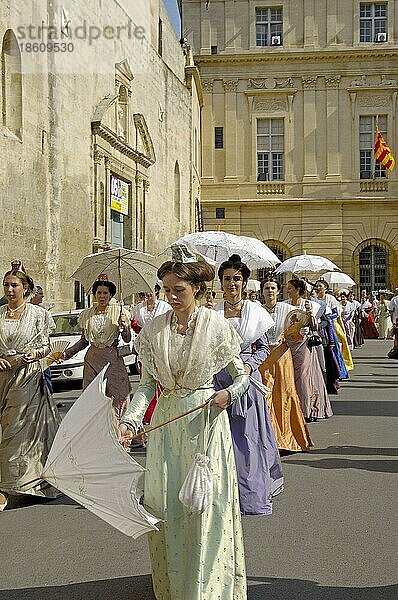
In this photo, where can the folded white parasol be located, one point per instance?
(87, 463)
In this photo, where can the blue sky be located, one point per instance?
(171, 6)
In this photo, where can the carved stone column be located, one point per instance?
(138, 210)
(145, 188)
(205, 29)
(310, 30)
(231, 150)
(331, 23)
(208, 130)
(108, 230)
(332, 128)
(98, 157)
(309, 127)
(229, 26)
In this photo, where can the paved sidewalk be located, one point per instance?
(332, 535)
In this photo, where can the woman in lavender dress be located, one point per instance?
(256, 452)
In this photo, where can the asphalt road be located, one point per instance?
(332, 534)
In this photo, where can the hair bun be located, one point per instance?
(235, 258)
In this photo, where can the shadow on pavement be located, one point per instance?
(125, 588)
(130, 588)
(297, 589)
(365, 408)
(383, 466)
(25, 500)
(358, 450)
(366, 384)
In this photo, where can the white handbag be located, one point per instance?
(196, 493)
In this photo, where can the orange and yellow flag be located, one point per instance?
(382, 151)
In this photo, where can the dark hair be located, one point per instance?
(268, 280)
(212, 292)
(24, 279)
(234, 262)
(323, 282)
(157, 289)
(195, 273)
(108, 284)
(299, 284)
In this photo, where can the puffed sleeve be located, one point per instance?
(240, 379)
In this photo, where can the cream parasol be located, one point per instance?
(336, 279)
(306, 262)
(219, 245)
(87, 463)
(132, 271)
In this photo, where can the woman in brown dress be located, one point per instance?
(101, 325)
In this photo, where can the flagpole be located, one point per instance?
(373, 173)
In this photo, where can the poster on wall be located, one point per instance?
(119, 195)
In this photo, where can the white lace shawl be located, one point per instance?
(110, 332)
(214, 344)
(254, 322)
(282, 309)
(32, 331)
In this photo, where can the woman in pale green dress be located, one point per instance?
(193, 556)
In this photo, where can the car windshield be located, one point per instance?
(66, 325)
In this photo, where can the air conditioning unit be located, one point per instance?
(276, 40)
(262, 177)
(365, 175)
(381, 37)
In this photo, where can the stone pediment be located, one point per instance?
(123, 70)
(144, 143)
(103, 124)
(270, 95)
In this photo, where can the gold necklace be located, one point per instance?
(100, 312)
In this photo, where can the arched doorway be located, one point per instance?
(373, 266)
(282, 252)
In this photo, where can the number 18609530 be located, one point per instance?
(46, 47)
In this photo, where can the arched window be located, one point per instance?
(373, 267)
(177, 192)
(11, 84)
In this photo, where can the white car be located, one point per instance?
(67, 329)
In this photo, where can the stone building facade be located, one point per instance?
(292, 89)
(100, 134)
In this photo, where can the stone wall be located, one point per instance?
(56, 176)
(319, 81)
